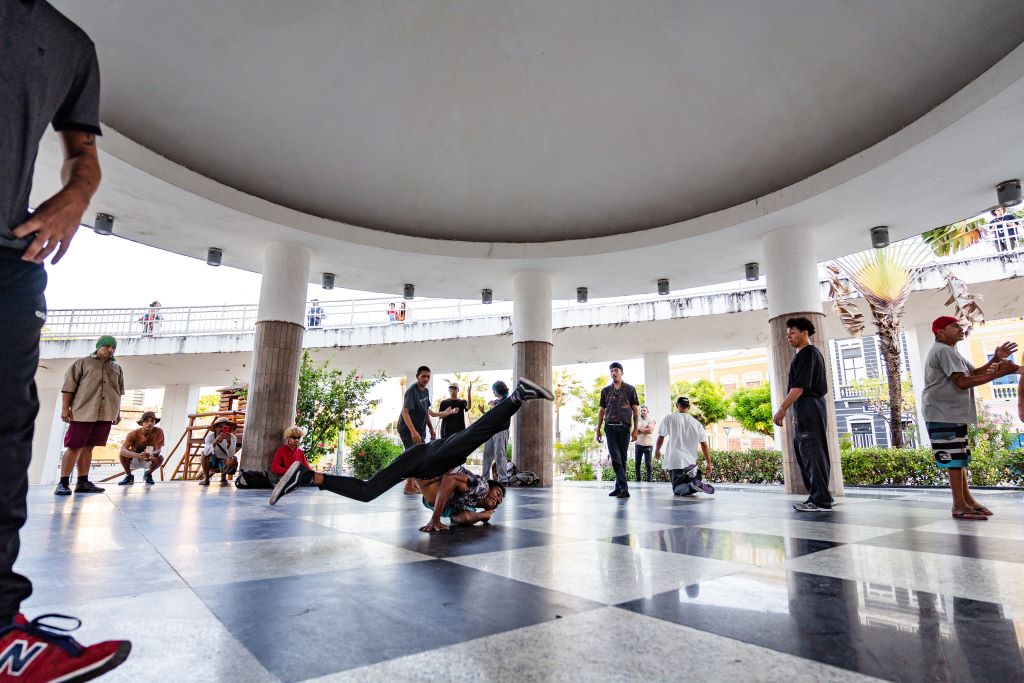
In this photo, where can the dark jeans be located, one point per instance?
(642, 453)
(618, 447)
(426, 460)
(22, 310)
(811, 446)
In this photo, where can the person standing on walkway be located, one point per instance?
(807, 389)
(415, 417)
(496, 447)
(456, 421)
(949, 407)
(90, 405)
(644, 442)
(619, 413)
(141, 449)
(49, 75)
(683, 437)
(315, 316)
(151, 320)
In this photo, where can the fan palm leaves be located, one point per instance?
(885, 278)
(949, 239)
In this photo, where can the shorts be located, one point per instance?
(217, 465)
(86, 434)
(949, 444)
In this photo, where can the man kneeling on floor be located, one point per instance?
(684, 434)
(141, 448)
(433, 464)
(219, 448)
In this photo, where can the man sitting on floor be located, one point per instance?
(430, 462)
(219, 451)
(141, 448)
(685, 435)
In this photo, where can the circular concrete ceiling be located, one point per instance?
(528, 121)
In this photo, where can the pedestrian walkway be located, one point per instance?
(567, 584)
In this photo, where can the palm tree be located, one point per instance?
(564, 384)
(885, 278)
(949, 239)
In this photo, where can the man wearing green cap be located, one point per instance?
(91, 403)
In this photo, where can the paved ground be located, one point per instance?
(567, 584)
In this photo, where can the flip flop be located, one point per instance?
(982, 510)
(975, 516)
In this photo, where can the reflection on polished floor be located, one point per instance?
(567, 584)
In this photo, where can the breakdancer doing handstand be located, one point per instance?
(453, 492)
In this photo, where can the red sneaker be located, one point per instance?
(31, 651)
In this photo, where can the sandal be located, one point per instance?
(976, 516)
(982, 510)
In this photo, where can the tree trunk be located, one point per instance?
(890, 344)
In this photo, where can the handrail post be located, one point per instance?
(351, 312)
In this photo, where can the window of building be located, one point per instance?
(851, 355)
(751, 379)
(863, 434)
(729, 383)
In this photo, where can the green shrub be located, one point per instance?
(861, 467)
(373, 453)
(580, 470)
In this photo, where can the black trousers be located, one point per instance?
(811, 446)
(642, 453)
(426, 460)
(618, 447)
(22, 313)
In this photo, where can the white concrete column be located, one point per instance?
(277, 351)
(178, 402)
(919, 342)
(791, 271)
(658, 385)
(47, 439)
(531, 345)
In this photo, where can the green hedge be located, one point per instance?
(861, 467)
(372, 453)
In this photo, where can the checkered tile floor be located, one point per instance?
(567, 584)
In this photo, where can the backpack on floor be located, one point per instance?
(254, 479)
(523, 479)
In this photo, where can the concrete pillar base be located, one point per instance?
(277, 354)
(47, 439)
(782, 355)
(535, 422)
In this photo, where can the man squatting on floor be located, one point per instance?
(453, 492)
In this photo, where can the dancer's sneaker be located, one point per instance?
(702, 485)
(148, 478)
(527, 390)
(288, 482)
(810, 507)
(62, 489)
(128, 480)
(37, 651)
(88, 487)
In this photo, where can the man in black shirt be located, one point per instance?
(49, 75)
(806, 395)
(456, 421)
(620, 414)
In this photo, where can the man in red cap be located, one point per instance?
(949, 407)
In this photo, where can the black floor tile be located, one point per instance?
(316, 624)
(458, 541)
(734, 546)
(891, 633)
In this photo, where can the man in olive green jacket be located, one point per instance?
(90, 404)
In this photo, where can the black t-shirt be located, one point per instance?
(418, 402)
(48, 74)
(455, 422)
(618, 403)
(807, 371)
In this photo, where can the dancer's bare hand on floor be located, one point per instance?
(434, 526)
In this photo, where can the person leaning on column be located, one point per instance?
(90, 405)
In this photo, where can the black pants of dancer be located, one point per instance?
(426, 460)
(642, 453)
(22, 309)
(811, 446)
(618, 449)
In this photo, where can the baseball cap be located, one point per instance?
(941, 322)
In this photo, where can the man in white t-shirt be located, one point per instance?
(685, 437)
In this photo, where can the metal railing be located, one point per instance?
(68, 324)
